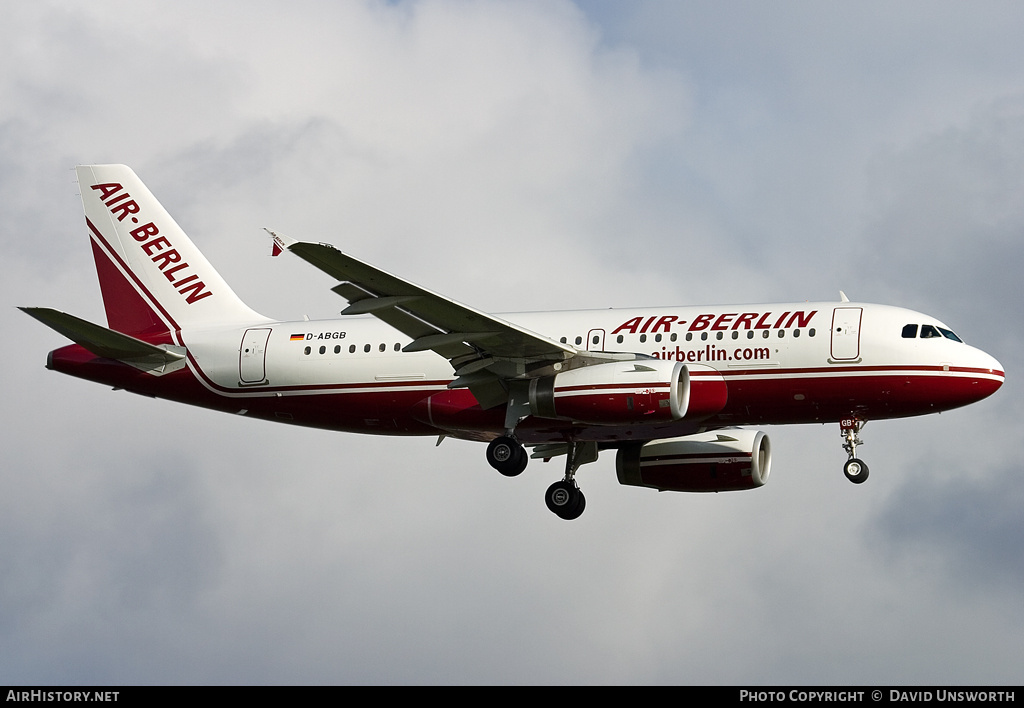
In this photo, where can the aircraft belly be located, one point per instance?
(824, 395)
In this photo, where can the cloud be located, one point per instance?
(949, 211)
(967, 530)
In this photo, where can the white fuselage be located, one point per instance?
(782, 363)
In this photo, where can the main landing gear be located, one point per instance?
(564, 498)
(854, 469)
(507, 455)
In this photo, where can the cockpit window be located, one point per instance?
(929, 332)
(949, 335)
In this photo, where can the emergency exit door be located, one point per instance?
(846, 333)
(252, 356)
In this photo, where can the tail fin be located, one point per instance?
(152, 276)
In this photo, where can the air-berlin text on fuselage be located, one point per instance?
(157, 247)
(711, 353)
(717, 322)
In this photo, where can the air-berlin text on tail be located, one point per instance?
(157, 247)
(718, 322)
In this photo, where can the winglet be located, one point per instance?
(281, 242)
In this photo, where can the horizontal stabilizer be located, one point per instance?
(106, 342)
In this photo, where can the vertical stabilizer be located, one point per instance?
(152, 276)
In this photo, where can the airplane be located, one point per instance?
(670, 389)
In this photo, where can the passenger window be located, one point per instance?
(579, 340)
(323, 349)
(351, 348)
(619, 339)
(643, 338)
(909, 331)
(366, 348)
(673, 337)
(337, 349)
(307, 350)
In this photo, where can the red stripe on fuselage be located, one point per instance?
(832, 370)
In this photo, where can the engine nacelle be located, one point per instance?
(636, 391)
(719, 461)
(615, 393)
(708, 392)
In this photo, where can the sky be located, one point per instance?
(514, 156)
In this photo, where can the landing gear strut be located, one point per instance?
(854, 469)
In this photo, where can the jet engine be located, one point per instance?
(615, 393)
(645, 391)
(649, 390)
(719, 461)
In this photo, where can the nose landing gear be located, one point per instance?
(854, 469)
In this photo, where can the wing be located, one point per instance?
(486, 351)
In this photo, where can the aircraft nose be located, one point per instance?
(989, 374)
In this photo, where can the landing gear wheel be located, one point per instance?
(855, 471)
(506, 455)
(565, 500)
